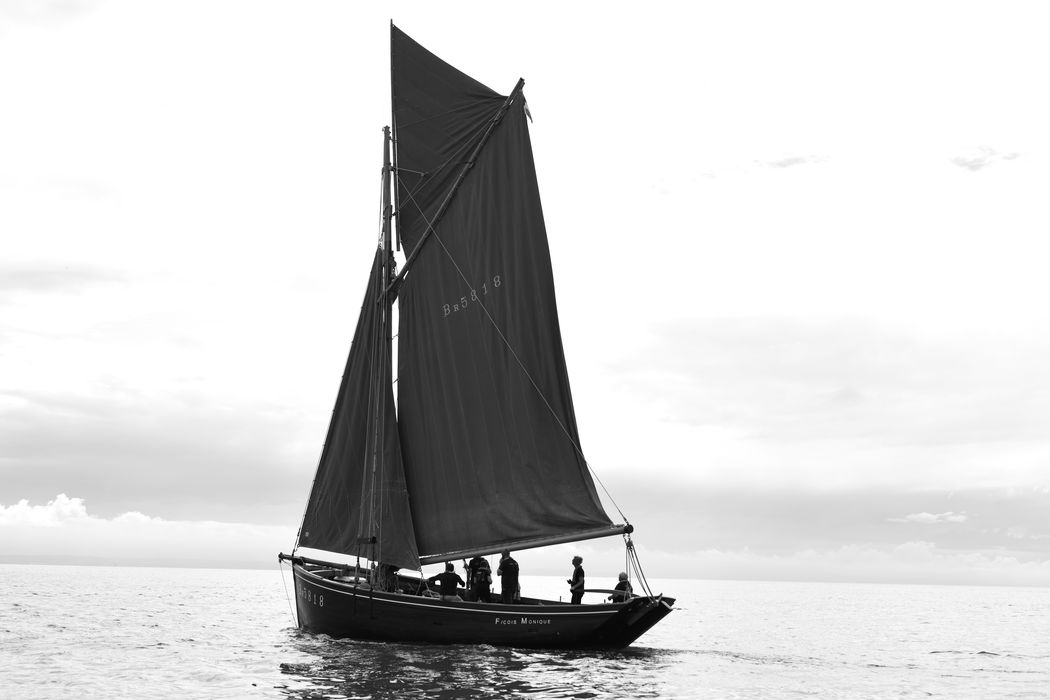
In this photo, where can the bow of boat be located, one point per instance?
(637, 617)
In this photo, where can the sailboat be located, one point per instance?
(480, 453)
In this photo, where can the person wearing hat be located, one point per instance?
(576, 582)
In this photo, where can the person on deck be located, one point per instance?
(448, 580)
(508, 573)
(576, 582)
(623, 590)
(386, 578)
(479, 579)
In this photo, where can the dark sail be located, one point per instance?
(486, 416)
(359, 492)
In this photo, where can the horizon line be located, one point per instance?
(251, 565)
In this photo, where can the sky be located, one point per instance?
(799, 252)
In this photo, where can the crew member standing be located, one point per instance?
(508, 573)
(576, 582)
(479, 578)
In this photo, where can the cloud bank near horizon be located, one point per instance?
(64, 528)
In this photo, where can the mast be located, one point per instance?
(392, 136)
(387, 214)
(383, 357)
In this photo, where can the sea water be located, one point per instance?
(101, 632)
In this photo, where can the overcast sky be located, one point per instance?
(799, 248)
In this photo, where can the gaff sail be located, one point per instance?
(491, 450)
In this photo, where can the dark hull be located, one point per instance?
(343, 610)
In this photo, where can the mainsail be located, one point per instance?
(491, 449)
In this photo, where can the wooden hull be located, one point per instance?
(343, 610)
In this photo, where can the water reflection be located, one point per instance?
(335, 668)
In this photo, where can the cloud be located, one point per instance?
(57, 512)
(51, 278)
(789, 379)
(771, 521)
(931, 518)
(64, 527)
(175, 453)
(981, 157)
(792, 161)
(55, 189)
(703, 542)
(46, 12)
(835, 402)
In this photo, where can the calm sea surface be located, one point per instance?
(99, 632)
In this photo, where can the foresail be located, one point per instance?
(488, 432)
(359, 492)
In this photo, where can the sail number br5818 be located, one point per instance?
(311, 597)
(476, 296)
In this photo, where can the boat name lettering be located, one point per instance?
(523, 620)
(463, 302)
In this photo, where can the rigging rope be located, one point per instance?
(280, 566)
(635, 564)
